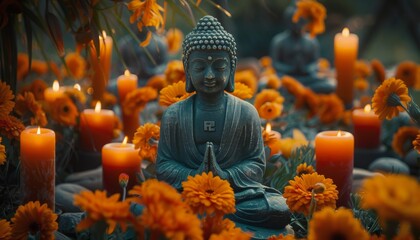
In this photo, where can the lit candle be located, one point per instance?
(125, 84)
(96, 128)
(37, 169)
(334, 152)
(50, 94)
(367, 128)
(271, 132)
(101, 67)
(119, 158)
(345, 55)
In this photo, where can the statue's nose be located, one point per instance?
(209, 74)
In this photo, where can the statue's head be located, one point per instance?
(209, 36)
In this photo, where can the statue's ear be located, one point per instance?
(230, 86)
(189, 87)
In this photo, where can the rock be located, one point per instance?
(67, 223)
(91, 179)
(412, 159)
(64, 194)
(359, 175)
(60, 236)
(389, 165)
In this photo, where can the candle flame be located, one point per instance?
(56, 86)
(339, 134)
(268, 128)
(104, 34)
(77, 86)
(39, 130)
(127, 73)
(98, 106)
(346, 32)
(367, 108)
(125, 140)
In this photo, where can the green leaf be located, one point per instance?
(55, 32)
(28, 30)
(9, 54)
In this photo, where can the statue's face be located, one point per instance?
(209, 71)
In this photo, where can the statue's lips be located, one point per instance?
(209, 83)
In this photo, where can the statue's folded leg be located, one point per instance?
(268, 211)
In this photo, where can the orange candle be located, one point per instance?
(334, 152)
(119, 158)
(125, 84)
(37, 169)
(345, 55)
(367, 128)
(96, 128)
(101, 66)
(50, 94)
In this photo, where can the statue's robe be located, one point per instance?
(240, 153)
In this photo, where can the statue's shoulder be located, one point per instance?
(247, 109)
(172, 113)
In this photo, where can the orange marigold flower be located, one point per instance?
(273, 81)
(173, 93)
(64, 111)
(34, 218)
(242, 91)
(6, 99)
(361, 84)
(248, 78)
(266, 61)
(99, 207)
(378, 70)
(292, 85)
(108, 100)
(174, 38)
(39, 67)
(282, 237)
(416, 143)
(207, 194)
(393, 197)
(268, 96)
(22, 66)
(146, 13)
(145, 139)
(5, 230)
(38, 87)
(2, 155)
(323, 65)
(407, 72)
(314, 12)
(157, 82)
(331, 108)
(303, 168)
(215, 225)
(287, 145)
(299, 193)
(403, 139)
(308, 99)
(233, 234)
(11, 127)
(76, 65)
(175, 72)
(26, 103)
(331, 224)
(362, 69)
(137, 99)
(118, 126)
(270, 110)
(55, 70)
(164, 210)
(389, 98)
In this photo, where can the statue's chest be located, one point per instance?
(208, 126)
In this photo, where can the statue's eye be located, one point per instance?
(220, 65)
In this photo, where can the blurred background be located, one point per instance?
(388, 30)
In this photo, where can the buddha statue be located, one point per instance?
(215, 131)
(296, 54)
